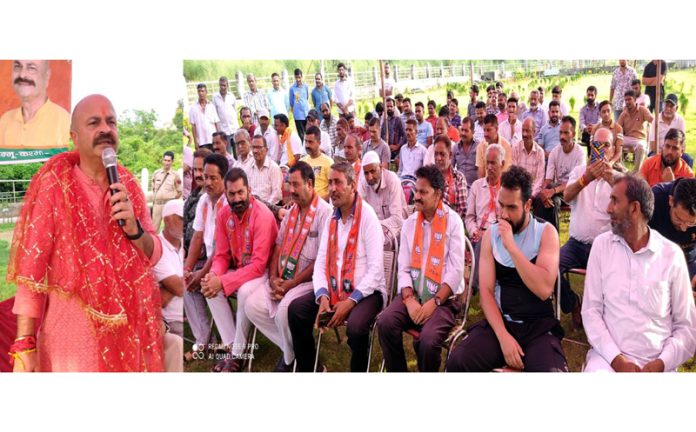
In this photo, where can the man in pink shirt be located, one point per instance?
(245, 232)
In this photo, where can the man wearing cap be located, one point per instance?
(381, 189)
(169, 272)
(268, 132)
(431, 266)
(668, 119)
(292, 262)
(166, 185)
(667, 165)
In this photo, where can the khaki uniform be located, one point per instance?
(165, 186)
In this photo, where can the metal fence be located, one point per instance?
(432, 74)
(11, 196)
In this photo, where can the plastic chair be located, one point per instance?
(391, 253)
(469, 265)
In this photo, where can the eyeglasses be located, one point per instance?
(678, 221)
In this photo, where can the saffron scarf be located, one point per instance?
(340, 287)
(286, 141)
(492, 205)
(239, 234)
(294, 239)
(61, 246)
(434, 263)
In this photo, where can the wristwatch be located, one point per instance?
(137, 235)
(437, 300)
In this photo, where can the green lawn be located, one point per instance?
(7, 289)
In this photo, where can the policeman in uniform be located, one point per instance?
(166, 185)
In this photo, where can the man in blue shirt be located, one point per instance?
(320, 94)
(299, 103)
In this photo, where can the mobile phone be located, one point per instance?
(325, 317)
(597, 151)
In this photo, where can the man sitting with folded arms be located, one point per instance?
(667, 165)
(292, 262)
(517, 277)
(638, 310)
(431, 264)
(348, 275)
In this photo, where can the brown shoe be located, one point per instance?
(576, 321)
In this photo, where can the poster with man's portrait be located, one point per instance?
(34, 109)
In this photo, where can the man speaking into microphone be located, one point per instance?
(80, 257)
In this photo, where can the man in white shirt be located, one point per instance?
(562, 160)
(288, 140)
(169, 272)
(668, 119)
(381, 189)
(292, 262)
(511, 128)
(638, 308)
(214, 170)
(268, 132)
(204, 119)
(428, 279)
(226, 107)
(411, 155)
(344, 92)
(348, 275)
(587, 192)
(242, 140)
(530, 155)
(265, 176)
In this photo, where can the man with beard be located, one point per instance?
(562, 160)
(517, 278)
(38, 122)
(633, 121)
(199, 260)
(556, 95)
(455, 188)
(638, 309)
(668, 119)
(353, 150)
(397, 134)
(407, 114)
(348, 275)
(473, 100)
(195, 308)
(377, 144)
(587, 192)
(454, 118)
(480, 111)
(381, 189)
(549, 136)
(502, 108)
(291, 264)
(342, 130)
(668, 165)
(81, 257)
(430, 275)
(641, 98)
(325, 142)
(245, 231)
(328, 124)
(675, 218)
(425, 129)
(589, 116)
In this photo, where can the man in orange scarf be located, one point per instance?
(431, 266)
(348, 275)
(78, 268)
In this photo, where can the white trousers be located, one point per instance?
(596, 363)
(243, 323)
(197, 314)
(271, 318)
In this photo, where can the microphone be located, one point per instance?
(109, 161)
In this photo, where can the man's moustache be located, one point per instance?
(20, 80)
(103, 139)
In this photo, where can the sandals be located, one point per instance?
(227, 365)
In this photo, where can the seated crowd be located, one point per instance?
(294, 221)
